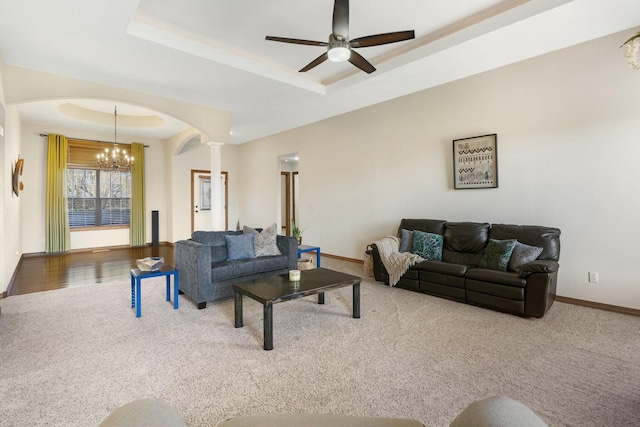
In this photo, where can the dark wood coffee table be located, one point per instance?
(274, 289)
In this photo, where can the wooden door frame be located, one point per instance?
(293, 195)
(195, 172)
(287, 175)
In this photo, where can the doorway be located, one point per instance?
(201, 200)
(289, 192)
(285, 209)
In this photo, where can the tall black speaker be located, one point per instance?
(155, 240)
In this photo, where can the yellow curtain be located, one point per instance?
(137, 225)
(58, 237)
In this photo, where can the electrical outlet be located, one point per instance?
(593, 277)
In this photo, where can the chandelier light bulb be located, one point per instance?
(115, 158)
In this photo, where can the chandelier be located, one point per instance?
(115, 158)
(632, 46)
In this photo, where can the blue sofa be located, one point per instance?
(206, 275)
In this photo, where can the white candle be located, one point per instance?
(294, 275)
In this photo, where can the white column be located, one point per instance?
(217, 206)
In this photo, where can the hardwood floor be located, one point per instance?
(47, 272)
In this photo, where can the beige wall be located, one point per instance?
(567, 125)
(10, 150)
(12, 212)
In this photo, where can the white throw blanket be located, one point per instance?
(396, 263)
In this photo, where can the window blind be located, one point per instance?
(84, 154)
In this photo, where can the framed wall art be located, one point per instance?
(475, 162)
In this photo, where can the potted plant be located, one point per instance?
(296, 232)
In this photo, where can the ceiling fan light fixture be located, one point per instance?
(339, 47)
(339, 54)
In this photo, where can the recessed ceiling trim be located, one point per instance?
(474, 26)
(154, 31)
(99, 117)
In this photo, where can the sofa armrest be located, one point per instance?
(289, 247)
(379, 271)
(540, 291)
(193, 260)
(538, 266)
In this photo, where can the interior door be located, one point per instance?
(201, 206)
(285, 209)
(201, 192)
(295, 195)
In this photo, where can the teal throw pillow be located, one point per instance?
(239, 246)
(427, 245)
(497, 254)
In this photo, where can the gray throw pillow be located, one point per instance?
(406, 240)
(265, 241)
(523, 254)
(239, 246)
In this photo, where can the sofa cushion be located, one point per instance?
(226, 270)
(497, 254)
(495, 276)
(435, 226)
(427, 245)
(502, 292)
(264, 242)
(523, 254)
(218, 253)
(213, 238)
(442, 268)
(466, 236)
(216, 240)
(465, 258)
(239, 247)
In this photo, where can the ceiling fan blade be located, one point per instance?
(341, 20)
(379, 39)
(357, 60)
(296, 41)
(319, 60)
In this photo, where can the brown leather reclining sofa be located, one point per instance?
(527, 292)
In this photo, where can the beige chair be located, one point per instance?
(496, 411)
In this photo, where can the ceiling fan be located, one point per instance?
(340, 48)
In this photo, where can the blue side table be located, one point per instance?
(306, 248)
(136, 277)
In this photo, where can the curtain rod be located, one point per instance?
(92, 140)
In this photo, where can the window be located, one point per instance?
(96, 197)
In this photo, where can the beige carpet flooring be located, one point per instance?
(69, 357)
